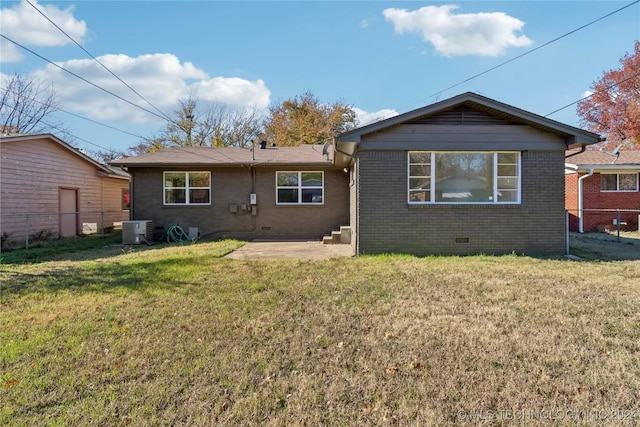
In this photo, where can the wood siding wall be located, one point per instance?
(31, 175)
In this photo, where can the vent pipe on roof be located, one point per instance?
(263, 145)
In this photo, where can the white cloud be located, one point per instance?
(25, 25)
(364, 117)
(586, 93)
(484, 34)
(160, 78)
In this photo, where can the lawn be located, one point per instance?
(179, 335)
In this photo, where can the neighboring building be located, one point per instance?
(465, 175)
(598, 184)
(50, 189)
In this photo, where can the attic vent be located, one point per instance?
(461, 240)
(462, 115)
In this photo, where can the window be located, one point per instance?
(126, 199)
(187, 188)
(619, 182)
(465, 177)
(294, 188)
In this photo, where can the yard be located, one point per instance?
(178, 335)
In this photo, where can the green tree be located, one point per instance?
(614, 107)
(305, 120)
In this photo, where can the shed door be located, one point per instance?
(68, 212)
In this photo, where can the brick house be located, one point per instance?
(261, 193)
(464, 175)
(600, 183)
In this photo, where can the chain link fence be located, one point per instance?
(22, 230)
(612, 225)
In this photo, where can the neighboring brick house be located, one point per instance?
(51, 189)
(465, 175)
(600, 183)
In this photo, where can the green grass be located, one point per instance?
(178, 335)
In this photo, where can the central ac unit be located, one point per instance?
(137, 232)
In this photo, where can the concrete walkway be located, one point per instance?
(290, 250)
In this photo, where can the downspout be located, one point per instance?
(581, 200)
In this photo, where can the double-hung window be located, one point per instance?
(618, 182)
(464, 177)
(187, 188)
(299, 188)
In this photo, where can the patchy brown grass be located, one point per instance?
(606, 246)
(180, 336)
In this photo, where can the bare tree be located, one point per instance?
(218, 126)
(25, 104)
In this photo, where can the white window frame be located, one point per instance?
(186, 188)
(432, 178)
(617, 190)
(299, 187)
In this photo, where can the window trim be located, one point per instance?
(299, 187)
(617, 174)
(186, 188)
(432, 178)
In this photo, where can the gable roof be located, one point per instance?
(346, 143)
(307, 155)
(25, 138)
(601, 160)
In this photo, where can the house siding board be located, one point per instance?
(462, 138)
(233, 186)
(387, 223)
(31, 176)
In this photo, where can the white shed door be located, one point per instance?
(68, 214)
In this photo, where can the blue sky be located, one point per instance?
(381, 57)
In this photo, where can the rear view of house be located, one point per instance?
(602, 186)
(465, 175)
(50, 189)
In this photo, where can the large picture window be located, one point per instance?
(464, 177)
(619, 182)
(294, 188)
(187, 188)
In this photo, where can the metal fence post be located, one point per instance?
(26, 237)
(618, 223)
(566, 231)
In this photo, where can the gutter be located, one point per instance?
(581, 201)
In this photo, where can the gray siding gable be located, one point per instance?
(465, 122)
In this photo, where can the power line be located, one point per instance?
(98, 61)
(82, 78)
(80, 117)
(595, 93)
(531, 51)
(536, 48)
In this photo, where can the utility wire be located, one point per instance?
(595, 93)
(82, 78)
(528, 52)
(98, 61)
(535, 49)
(79, 116)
